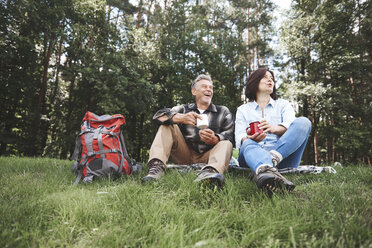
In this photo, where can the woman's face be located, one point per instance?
(266, 85)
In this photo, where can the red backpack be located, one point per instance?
(101, 147)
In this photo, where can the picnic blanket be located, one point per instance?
(234, 166)
(302, 169)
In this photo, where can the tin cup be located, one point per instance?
(204, 123)
(254, 127)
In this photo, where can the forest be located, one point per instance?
(61, 58)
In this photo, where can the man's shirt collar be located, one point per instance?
(211, 108)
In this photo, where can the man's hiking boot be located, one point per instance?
(268, 178)
(156, 170)
(211, 176)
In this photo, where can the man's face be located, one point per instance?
(203, 92)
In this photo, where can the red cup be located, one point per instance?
(254, 127)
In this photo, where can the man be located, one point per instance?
(180, 138)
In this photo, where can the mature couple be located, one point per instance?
(279, 146)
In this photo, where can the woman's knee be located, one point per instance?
(248, 143)
(245, 151)
(303, 123)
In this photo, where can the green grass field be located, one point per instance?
(39, 207)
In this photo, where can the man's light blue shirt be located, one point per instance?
(277, 112)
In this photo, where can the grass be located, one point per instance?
(39, 207)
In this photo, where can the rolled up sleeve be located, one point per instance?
(169, 113)
(288, 115)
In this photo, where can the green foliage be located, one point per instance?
(41, 208)
(329, 55)
(62, 58)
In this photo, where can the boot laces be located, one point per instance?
(155, 169)
(274, 171)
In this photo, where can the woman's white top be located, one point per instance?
(276, 112)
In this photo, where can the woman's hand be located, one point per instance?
(267, 128)
(258, 137)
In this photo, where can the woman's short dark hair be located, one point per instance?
(251, 87)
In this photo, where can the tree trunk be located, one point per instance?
(56, 84)
(108, 14)
(66, 147)
(54, 99)
(315, 128)
(249, 44)
(47, 53)
(3, 146)
(316, 154)
(133, 134)
(148, 14)
(8, 125)
(40, 134)
(331, 146)
(305, 112)
(117, 18)
(140, 138)
(139, 15)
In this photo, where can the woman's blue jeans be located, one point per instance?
(291, 146)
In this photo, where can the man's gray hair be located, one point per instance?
(201, 77)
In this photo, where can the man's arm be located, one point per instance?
(188, 118)
(165, 116)
(175, 115)
(227, 126)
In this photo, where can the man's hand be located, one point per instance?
(188, 119)
(208, 136)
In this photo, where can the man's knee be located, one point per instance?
(165, 127)
(225, 144)
(167, 130)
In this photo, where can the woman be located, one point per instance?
(284, 137)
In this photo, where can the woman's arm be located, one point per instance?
(287, 115)
(240, 127)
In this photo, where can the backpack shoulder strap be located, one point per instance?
(76, 152)
(78, 178)
(125, 150)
